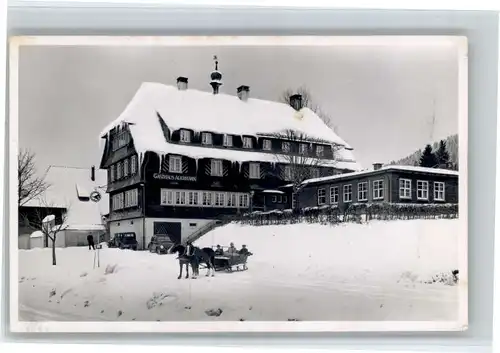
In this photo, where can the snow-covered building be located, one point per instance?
(391, 183)
(68, 198)
(178, 158)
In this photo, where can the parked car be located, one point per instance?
(160, 243)
(123, 241)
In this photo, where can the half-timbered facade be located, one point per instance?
(177, 158)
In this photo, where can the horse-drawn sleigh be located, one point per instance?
(212, 260)
(226, 259)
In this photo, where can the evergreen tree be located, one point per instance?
(428, 158)
(442, 155)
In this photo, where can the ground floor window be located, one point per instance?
(348, 193)
(334, 195)
(378, 189)
(422, 190)
(321, 196)
(363, 191)
(404, 188)
(198, 198)
(438, 191)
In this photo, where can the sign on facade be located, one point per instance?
(174, 177)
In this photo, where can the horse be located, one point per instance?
(197, 256)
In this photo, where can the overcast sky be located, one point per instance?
(381, 98)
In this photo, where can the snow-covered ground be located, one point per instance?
(301, 272)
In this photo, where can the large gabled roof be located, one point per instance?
(218, 113)
(68, 186)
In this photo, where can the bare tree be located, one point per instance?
(300, 161)
(30, 185)
(308, 102)
(49, 224)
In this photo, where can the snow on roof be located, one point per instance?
(36, 234)
(386, 168)
(49, 218)
(66, 183)
(272, 192)
(218, 113)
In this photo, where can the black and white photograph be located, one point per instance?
(238, 183)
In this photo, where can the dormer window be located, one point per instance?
(247, 142)
(319, 151)
(266, 145)
(285, 146)
(206, 138)
(228, 140)
(303, 148)
(185, 136)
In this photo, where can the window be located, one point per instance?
(119, 170)
(254, 170)
(228, 140)
(314, 172)
(321, 196)
(287, 173)
(231, 200)
(131, 198)
(219, 198)
(112, 173)
(167, 197)
(118, 201)
(216, 167)
(303, 148)
(125, 168)
(133, 165)
(247, 142)
(438, 191)
(422, 190)
(266, 145)
(120, 139)
(185, 136)
(274, 199)
(207, 198)
(192, 197)
(378, 189)
(285, 146)
(348, 193)
(320, 150)
(175, 164)
(294, 200)
(244, 200)
(363, 191)
(206, 138)
(334, 195)
(280, 199)
(180, 198)
(404, 188)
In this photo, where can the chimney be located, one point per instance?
(243, 93)
(92, 173)
(377, 166)
(296, 102)
(182, 83)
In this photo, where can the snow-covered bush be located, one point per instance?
(353, 212)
